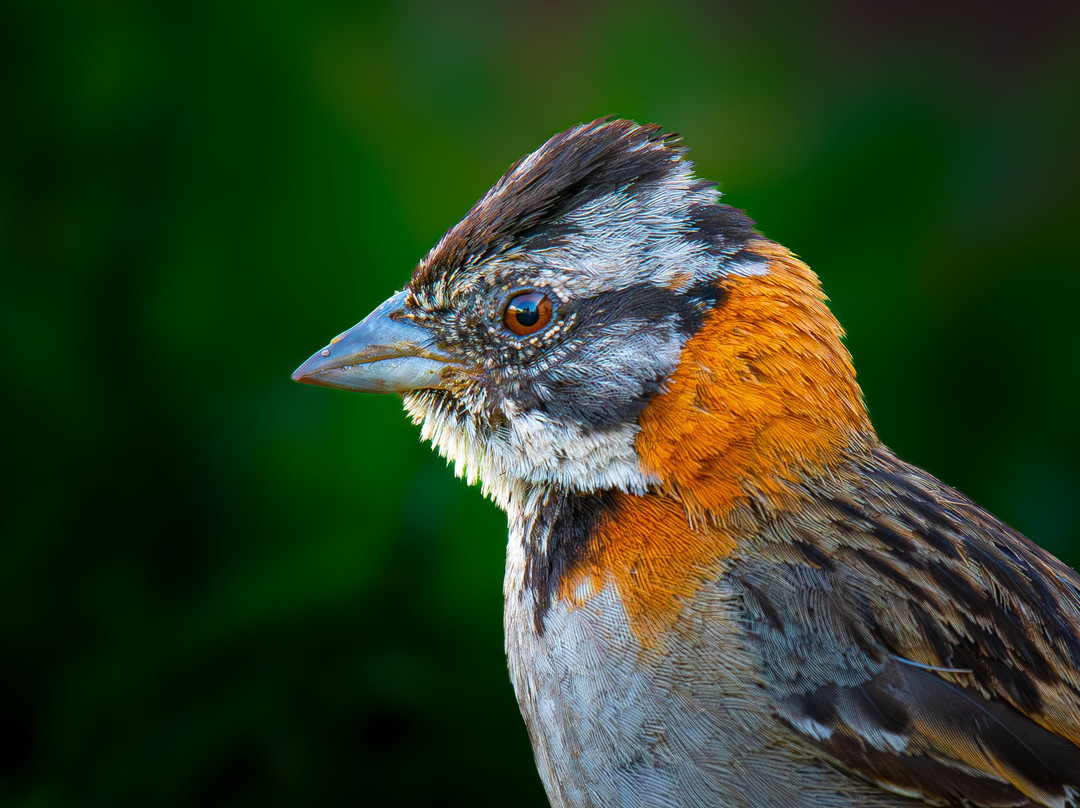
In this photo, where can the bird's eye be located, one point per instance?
(527, 313)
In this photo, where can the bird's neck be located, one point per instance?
(764, 397)
(567, 546)
(762, 409)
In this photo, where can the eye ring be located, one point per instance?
(528, 313)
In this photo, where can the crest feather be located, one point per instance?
(528, 206)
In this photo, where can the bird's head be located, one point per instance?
(599, 321)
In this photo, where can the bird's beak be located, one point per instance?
(383, 353)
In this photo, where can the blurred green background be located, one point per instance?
(224, 589)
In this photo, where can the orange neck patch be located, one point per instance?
(655, 559)
(764, 397)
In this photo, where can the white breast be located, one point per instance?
(617, 725)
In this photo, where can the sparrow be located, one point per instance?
(721, 589)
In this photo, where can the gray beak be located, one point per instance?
(383, 353)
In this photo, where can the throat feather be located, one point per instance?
(644, 546)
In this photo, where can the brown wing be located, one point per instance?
(921, 643)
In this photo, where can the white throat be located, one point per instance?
(530, 451)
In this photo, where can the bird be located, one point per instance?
(721, 588)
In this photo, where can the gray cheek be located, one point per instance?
(610, 378)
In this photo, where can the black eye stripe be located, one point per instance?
(653, 303)
(529, 312)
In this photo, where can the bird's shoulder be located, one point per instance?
(917, 640)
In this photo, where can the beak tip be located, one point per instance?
(307, 373)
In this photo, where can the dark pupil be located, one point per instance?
(526, 312)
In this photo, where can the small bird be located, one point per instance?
(721, 588)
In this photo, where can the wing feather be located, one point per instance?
(918, 641)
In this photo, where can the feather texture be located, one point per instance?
(918, 641)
